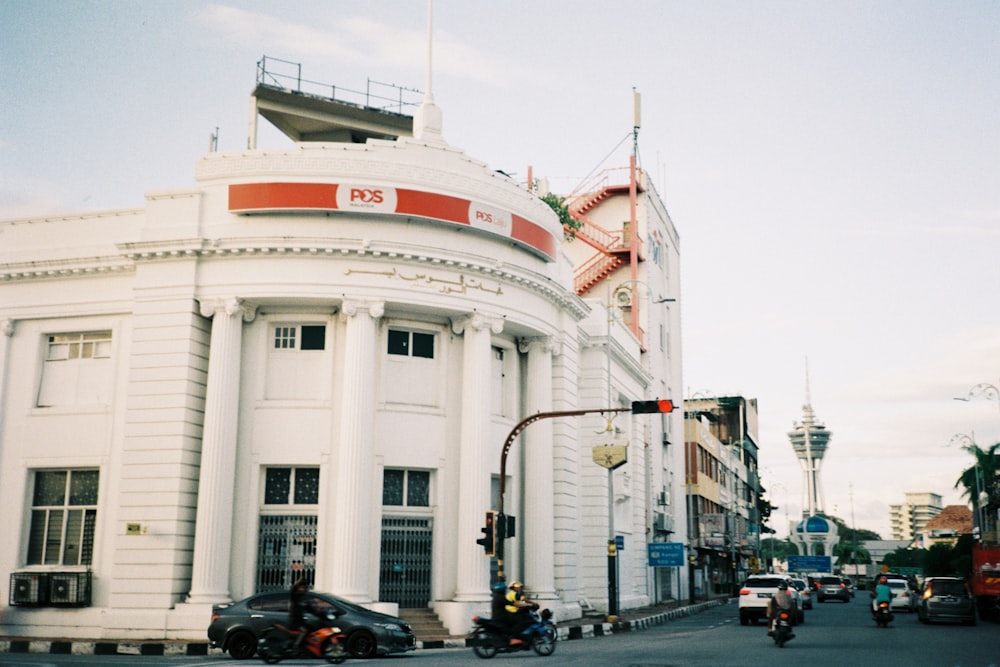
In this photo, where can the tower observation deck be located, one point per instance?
(810, 439)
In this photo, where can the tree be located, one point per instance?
(780, 549)
(904, 557)
(558, 205)
(981, 483)
(849, 540)
(846, 553)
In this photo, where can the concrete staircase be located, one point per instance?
(426, 625)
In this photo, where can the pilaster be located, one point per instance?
(537, 521)
(350, 522)
(216, 480)
(472, 582)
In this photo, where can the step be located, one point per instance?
(425, 624)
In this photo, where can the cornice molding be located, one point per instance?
(65, 268)
(137, 253)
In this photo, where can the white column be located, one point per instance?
(536, 522)
(6, 332)
(216, 476)
(473, 575)
(350, 522)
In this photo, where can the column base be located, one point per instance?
(206, 599)
(457, 616)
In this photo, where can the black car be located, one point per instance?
(235, 627)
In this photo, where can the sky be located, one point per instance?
(832, 168)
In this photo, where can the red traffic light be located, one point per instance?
(488, 540)
(649, 407)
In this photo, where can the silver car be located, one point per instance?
(802, 586)
(833, 587)
(946, 599)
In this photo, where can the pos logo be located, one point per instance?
(366, 197)
(490, 218)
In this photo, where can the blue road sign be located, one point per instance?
(665, 554)
(810, 563)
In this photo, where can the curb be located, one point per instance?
(178, 648)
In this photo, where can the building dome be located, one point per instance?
(815, 524)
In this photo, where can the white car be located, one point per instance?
(756, 592)
(903, 598)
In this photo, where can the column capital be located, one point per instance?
(374, 308)
(477, 321)
(229, 305)
(551, 344)
(7, 327)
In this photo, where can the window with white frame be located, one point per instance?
(291, 486)
(406, 488)
(77, 369)
(294, 362)
(411, 344)
(412, 370)
(63, 517)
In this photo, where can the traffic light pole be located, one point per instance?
(637, 407)
(501, 524)
(511, 437)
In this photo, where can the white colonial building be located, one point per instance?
(307, 365)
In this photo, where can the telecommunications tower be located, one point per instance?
(809, 440)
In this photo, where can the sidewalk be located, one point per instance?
(629, 620)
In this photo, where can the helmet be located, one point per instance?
(782, 585)
(516, 584)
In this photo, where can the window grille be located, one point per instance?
(405, 572)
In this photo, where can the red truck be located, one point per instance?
(986, 578)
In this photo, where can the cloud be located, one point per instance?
(361, 40)
(247, 28)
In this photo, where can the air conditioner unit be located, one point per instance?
(28, 589)
(69, 589)
(663, 522)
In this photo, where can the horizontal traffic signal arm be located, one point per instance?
(662, 406)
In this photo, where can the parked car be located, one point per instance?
(946, 599)
(756, 592)
(903, 598)
(833, 587)
(805, 592)
(236, 627)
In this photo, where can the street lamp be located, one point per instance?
(990, 391)
(968, 443)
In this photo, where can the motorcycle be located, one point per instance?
(489, 637)
(278, 643)
(883, 614)
(782, 629)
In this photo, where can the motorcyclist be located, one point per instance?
(882, 593)
(781, 601)
(297, 607)
(518, 610)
